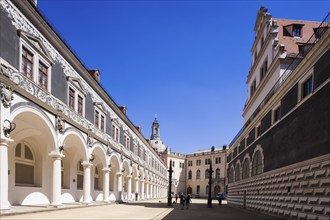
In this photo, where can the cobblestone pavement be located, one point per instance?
(149, 209)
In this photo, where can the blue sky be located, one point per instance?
(186, 61)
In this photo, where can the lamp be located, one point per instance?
(61, 148)
(8, 127)
(91, 158)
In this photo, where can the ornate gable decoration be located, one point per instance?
(101, 106)
(76, 82)
(36, 44)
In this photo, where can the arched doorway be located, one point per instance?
(216, 189)
(189, 190)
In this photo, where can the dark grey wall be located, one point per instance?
(9, 41)
(289, 101)
(59, 83)
(322, 69)
(108, 124)
(89, 108)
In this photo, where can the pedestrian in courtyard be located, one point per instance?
(176, 198)
(182, 202)
(188, 201)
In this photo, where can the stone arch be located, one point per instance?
(246, 166)
(35, 134)
(238, 171)
(257, 154)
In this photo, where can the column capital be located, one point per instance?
(55, 155)
(5, 140)
(86, 164)
(136, 178)
(106, 169)
(119, 173)
(129, 176)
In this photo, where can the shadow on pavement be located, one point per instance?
(201, 211)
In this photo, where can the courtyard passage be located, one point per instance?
(150, 209)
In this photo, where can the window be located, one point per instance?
(217, 173)
(80, 105)
(127, 141)
(207, 161)
(96, 179)
(255, 55)
(218, 160)
(307, 87)
(190, 175)
(277, 114)
(245, 169)
(24, 165)
(96, 118)
(173, 164)
(263, 69)
(181, 165)
(231, 175)
(258, 131)
(35, 63)
(198, 162)
(207, 174)
(296, 31)
(253, 88)
(76, 100)
(27, 63)
(189, 163)
(115, 133)
(198, 189)
(198, 174)
(262, 41)
(256, 164)
(80, 175)
(102, 123)
(43, 76)
(71, 98)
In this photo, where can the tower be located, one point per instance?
(155, 140)
(155, 135)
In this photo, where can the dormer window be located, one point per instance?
(297, 31)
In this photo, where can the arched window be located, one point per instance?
(246, 169)
(190, 174)
(217, 173)
(237, 172)
(207, 174)
(24, 165)
(198, 174)
(96, 178)
(80, 175)
(257, 164)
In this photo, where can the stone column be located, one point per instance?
(142, 189)
(106, 171)
(56, 184)
(120, 185)
(137, 186)
(87, 182)
(151, 190)
(4, 203)
(129, 187)
(147, 190)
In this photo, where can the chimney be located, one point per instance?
(224, 147)
(139, 128)
(95, 74)
(123, 109)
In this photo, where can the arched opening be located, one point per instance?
(189, 190)
(257, 163)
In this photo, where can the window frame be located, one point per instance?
(276, 113)
(25, 161)
(37, 57)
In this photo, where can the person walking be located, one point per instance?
(182, 202)
(176, 198)
(188, 201)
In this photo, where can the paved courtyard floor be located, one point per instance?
(149, 209)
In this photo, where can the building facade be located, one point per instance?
(197, 171)
(63, 139)
(279, 163)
